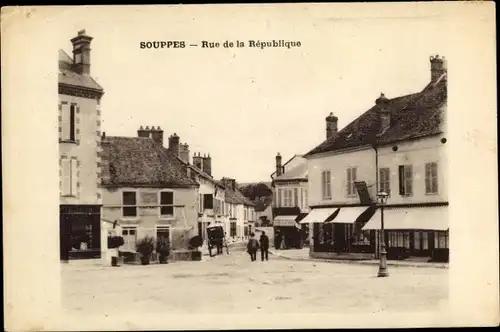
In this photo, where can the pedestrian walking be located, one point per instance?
(264, 246)
(252, 247)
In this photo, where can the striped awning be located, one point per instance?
(348, 215)
(418, 218)
(318, 215)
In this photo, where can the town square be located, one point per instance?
(228, 167)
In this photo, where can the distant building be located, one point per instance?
(79, 122)
(263, 210)
(398, 146)
(147, 190)
(290, 204)
(240, 211)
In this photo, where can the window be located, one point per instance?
(69, 122)
(279, 202)
(295, 197)
(200, 203)
(440, 240)
(351, 178)
(208, 201)
(384, 180)
(326, 184)
(399, 239)
(69, 177)
(431, 178)
(301, 202)
(288, 198)
(129, 204)
(405, 180)
(305, 199)
(167, 203)
(232, 230)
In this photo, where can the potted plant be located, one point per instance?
(145, 247)
(163, 249)
(114, 242)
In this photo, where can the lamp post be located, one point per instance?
(382, 269)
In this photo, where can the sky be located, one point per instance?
(244, 105)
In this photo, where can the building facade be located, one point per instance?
(290, 203)
(397, 147)
(147, 191)
(79, 122)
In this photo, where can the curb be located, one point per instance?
(346, 261)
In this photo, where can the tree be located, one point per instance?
(253, 191)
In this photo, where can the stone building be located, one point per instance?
(399, 147)
(79, 123)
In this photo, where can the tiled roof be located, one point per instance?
(412, 116)
(138, 161)
(70, 77)
(299, 172)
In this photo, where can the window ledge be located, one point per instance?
(431, 194)
(167, 218)
(69, 196)
(68, 141)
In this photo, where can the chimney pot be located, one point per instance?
(331, 125)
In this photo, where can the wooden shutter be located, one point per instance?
(278, 203)
(65, 122)
(408, 179)
(77, 124)
(74, 177)
(72, 122)
(349, 181)
(66, 177)
(401, 170)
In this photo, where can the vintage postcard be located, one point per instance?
(250, 166)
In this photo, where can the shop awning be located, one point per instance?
(284, 221)
(348, 215)
(318, 215)
(421, 218)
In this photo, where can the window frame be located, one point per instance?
(384, 180)
(350, 181)
(431, 180)
(158, 227)
(71, 108)
(404, 180)
(129, 206)
(326, 184)
(160, 205)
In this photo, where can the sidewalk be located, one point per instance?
(303, 255)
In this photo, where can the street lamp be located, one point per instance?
(382, 269)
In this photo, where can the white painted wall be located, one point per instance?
(364, 160)
(417, 154)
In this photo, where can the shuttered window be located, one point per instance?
(296, 197)
(326, 184)
(384, 180)
(431, 178)
(69, 177)
(351, 178)
(279, 202)
(405, 180)
(68, 122)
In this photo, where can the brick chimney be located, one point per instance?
(198, 160)
(207, 164)
(141, 132)
(384, 114)
(331, 125)
(184, 152)
(81, 53)
(157, 135)
(105, 154)
(438, 67)
(173, 144)
(279, 168)
(229, 183)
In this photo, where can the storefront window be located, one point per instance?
(440, 240)
(399, 239)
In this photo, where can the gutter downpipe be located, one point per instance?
(377, 236)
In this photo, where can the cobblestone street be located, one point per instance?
(234, 284)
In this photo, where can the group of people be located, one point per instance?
(254, 245)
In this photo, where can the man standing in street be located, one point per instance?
(252, 247)
(264, 246)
